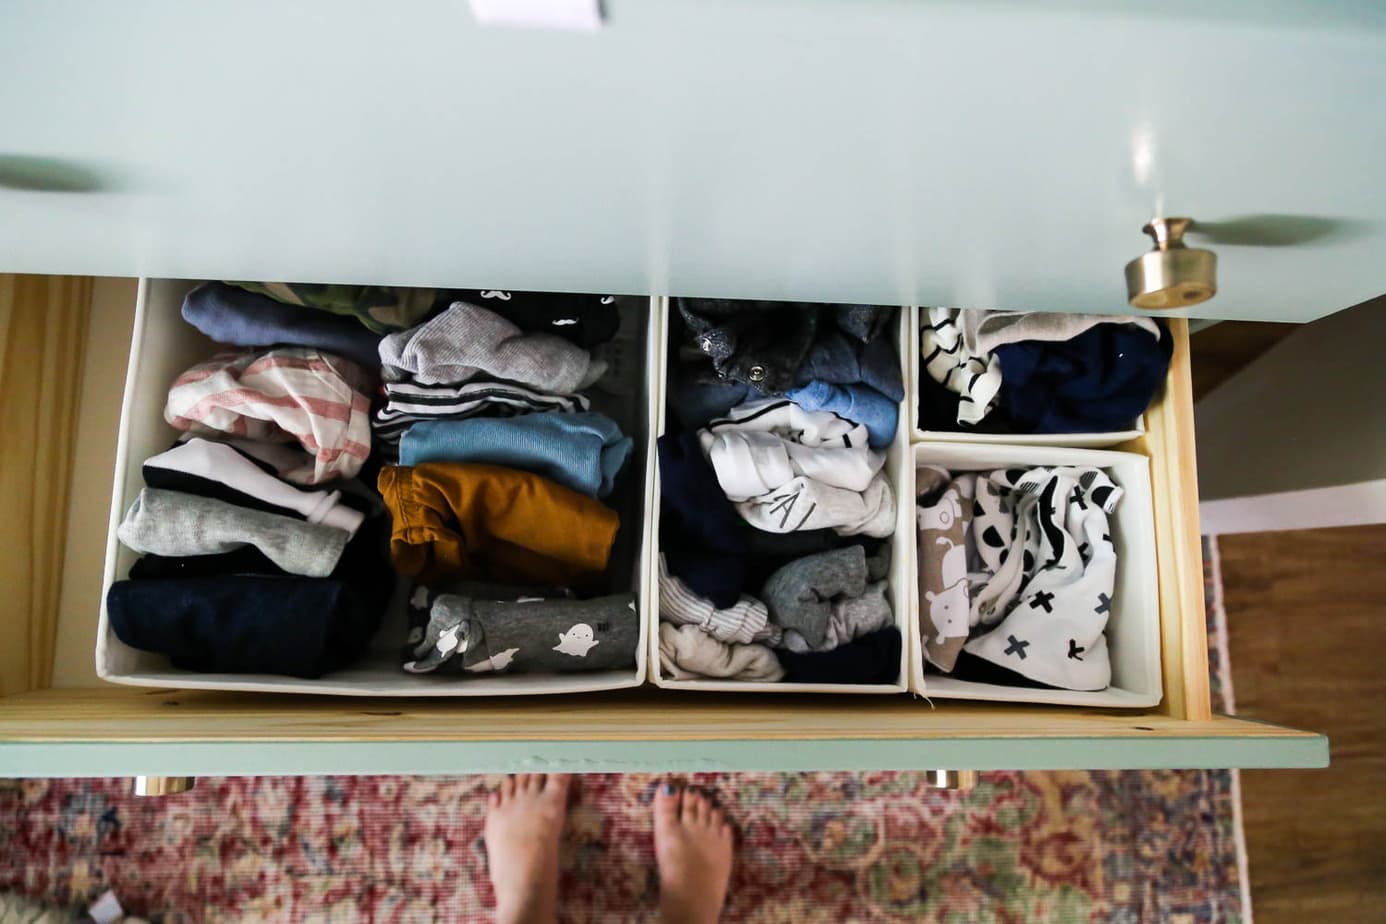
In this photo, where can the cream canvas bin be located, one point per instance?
(901, 556)
(163, 345)
(1133, 626)
(915, 366)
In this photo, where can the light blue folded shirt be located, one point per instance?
(858, 403)
(582, 451)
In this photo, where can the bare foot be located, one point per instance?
(524, 819)
(693, 847)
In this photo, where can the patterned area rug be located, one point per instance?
(829, 847)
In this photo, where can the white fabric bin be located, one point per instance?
(901, 556)
(163, 345)
(1133, 626)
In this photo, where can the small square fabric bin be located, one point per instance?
(901, 562)
(1133, 625)
(163, 345)
(916, 372)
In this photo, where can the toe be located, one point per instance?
(507, 788)
(667, 803)
(524, 782)
(557, 783)
(694, 806)
(725, 832)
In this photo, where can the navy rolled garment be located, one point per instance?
(234, 316)
(245, 624)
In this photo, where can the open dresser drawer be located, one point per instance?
(115, 730)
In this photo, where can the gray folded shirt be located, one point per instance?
(172, 523)
(531, 634)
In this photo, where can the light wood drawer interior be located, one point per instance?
(110, 730)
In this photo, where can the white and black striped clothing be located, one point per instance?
(974, 377)
(407, 402)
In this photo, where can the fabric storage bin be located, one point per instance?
(163, 345)
(900, 576)
(1133, 625)
(916, 372)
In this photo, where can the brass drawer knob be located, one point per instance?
(954, 780)
(163, 785)
(1172, 274)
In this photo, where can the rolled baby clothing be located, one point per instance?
(841, 360)
(583, 451)
(804, 503)
(461, 520)
(380, 308)
(701, 534)
(873, 658)
(689, 653)
(407, 403)
(218, 470)
(751, 463)
(173, 523)
(528, 635)
(1054, 632)
(282, 395)
(238, 317)
(695, 395)
(854, 617)
(467, 341)
(740, 622)
(984, 331)
(855, 402)
(800, 595)
(971, 374)
(245, 624)
(586, 320)
(944, 519)
(811, 429)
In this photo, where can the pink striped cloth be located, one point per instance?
(282, 395)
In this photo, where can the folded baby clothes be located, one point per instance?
(841, 360)
(460, 520)
(173, 523)
(768, 552)
(973, 375)
(804, 503)
(1053, 630)
(1096, 382)
(855, 402)
(741, 622)
(984, 331)
(583, 451)
(757, 343)
(245, 624)
(944, 514)
(702, 536)
(852, 618)
(468, 341)
(758, 447)
(408, 402)
(218, 470)
(873, 658)
(380, 308)
(522, 636)
(586, 320)
(285, 394)
(800, 595)
(689, 653)
(238, 317)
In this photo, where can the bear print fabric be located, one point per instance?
(944, 512)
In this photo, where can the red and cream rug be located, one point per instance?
(813, 847)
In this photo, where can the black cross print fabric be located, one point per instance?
(1045, 573)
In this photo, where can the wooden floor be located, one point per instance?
(1306, 614)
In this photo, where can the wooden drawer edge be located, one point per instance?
(1169, 440)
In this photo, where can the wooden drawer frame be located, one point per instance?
(112, 731)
